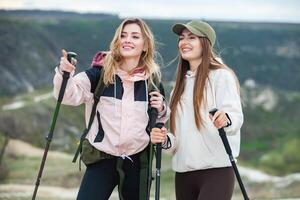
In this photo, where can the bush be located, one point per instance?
(283, 161)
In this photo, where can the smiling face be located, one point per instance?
(132, 43)
(189, 46)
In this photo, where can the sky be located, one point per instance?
(221, 10)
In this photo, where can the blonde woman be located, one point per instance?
(203, 170)
(119, 128)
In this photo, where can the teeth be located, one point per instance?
(186, 49)
(127, 47)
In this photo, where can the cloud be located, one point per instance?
(15, 4)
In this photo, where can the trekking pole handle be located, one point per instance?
(70, 55)
(222, 134)
(66, 76)
(213, 111)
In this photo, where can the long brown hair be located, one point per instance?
(114, 59)
(209, 62)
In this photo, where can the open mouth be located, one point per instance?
(186, 49)
(127, 47)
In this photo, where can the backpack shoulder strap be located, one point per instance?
(100, 86)
(97, 94)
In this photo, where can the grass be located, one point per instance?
(60, 172)
(24, 170)
(63, 173)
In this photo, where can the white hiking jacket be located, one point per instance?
(194, 149)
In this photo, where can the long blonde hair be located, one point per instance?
(114, 58)
(209, 62)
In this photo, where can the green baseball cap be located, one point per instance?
(199, 28)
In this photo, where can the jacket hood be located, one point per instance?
(137, 74)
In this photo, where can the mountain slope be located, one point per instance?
(30, 43)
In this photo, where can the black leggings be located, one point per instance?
(208, 184)
(102, 177)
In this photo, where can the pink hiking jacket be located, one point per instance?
(121, 114)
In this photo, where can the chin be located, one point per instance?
(129, 54)
(185, 57)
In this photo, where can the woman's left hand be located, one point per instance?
(156, 101)
(158, 135)
(219, 119)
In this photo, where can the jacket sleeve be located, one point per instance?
(228, 99)
(78, 89)
(164, 115)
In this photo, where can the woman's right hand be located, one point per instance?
(158, 135)
(64, 64)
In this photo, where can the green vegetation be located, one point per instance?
(32, 40)
(32, 122)
(283, 160)
(3, 165)
(270, 138)
(24, 169)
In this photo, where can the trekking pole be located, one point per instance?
(66, 76)
(223, 136)
(153, 116)
(158, 165)
(152, 122)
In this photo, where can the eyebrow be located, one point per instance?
(131, 32)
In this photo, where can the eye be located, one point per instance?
(123, 35)
(180, 38)
(136, 37)
(192, 37)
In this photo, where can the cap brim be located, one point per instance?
(178, 28)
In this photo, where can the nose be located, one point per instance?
(182, 42)
(126, 39)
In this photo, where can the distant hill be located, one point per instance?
(44, 15)
(30, 43)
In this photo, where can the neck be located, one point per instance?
(129, 64)
(194, 64)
